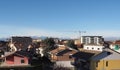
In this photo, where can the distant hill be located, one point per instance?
(111, 38)
(44, 37)
(3, 39)
(37, 37)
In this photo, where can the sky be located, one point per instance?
(59, 18)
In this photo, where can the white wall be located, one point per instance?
(93, 47)
(64, 63)
(112, 46)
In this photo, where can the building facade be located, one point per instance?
(92, 43)
(18, 58)
(88, 40)
(106, 60)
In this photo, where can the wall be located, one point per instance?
(10, 60)
(17, 60)
(97, 40)
(93, 47)
(64, 64)
(112, 65)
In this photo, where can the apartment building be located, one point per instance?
(92, 43)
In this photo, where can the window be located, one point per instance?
(87, 47)
(87, 41)
(98, 48)
(95, 40)
(96, 64)
(92, 48)
(22, 61)
(92, 40)
(70, 56)
(106, 63)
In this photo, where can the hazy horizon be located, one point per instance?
(59, 18)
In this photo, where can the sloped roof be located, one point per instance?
(23, 53)
(107, 54)
(55, 51)
(66, 52)
(18, 53)
(83, 55)
(116, 42)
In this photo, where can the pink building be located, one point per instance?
(16, 59)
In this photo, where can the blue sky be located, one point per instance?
(59, 18)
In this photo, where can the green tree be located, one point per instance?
(117, 47)
(49, 44)
(71, 44)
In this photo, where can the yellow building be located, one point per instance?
(106, 60)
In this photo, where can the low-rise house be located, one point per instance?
(106, 60)
(93, 43)
(115, 46)
(78, 43)
(53, 54)
(55, 51)
(18, 58)
(63, 57)
(82, 59)
(60, 54)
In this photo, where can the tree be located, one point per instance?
(71, 44)
(49, 44)
(117, 47)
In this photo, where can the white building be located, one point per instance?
(64, 64)
(92, 43)
(94, 47)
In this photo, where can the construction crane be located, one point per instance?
(79, 32)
